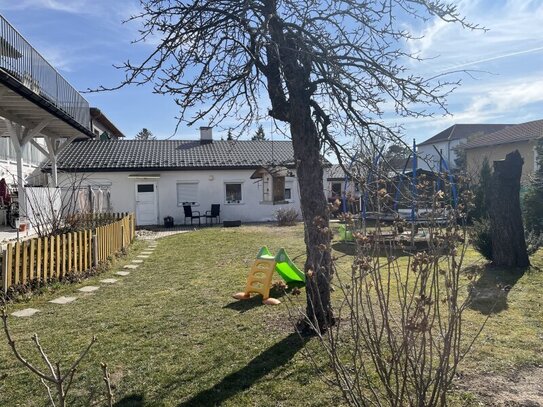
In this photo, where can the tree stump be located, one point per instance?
(506, 228)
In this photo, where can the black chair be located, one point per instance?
(214, 213)
(190, 214)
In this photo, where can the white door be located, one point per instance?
(146, 204)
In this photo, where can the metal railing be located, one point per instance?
(21, 61)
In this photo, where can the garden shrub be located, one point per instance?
(286, 217)
(533, 199)
(482, 193)
(481, 238)
(534, 241)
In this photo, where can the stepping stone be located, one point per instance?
(63, 300)
(109, 281)
(137, 261)
(142, 256)
(146, 253)
(122, 273)
(27, 312)
(88, 289)
(131, 266)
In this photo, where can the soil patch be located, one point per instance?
(522, 387)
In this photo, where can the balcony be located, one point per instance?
(32, 91)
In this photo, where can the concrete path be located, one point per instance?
(122, 273)
(63, 300)
(27, 312)
(109, 281)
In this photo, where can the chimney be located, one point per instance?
(206, 135)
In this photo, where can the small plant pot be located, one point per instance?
(22, 227)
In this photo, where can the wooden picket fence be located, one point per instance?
(56, 256)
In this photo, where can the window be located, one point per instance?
(233, 192)
(289, 186)
(288, 193)
(187, 193)
(146, 188)
(336, 189)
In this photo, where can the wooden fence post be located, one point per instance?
(24, 249)
(8, 265)
(94, 250)
(32, 257)
(4, 280)
(17, 262)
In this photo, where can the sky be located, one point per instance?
(83, 39)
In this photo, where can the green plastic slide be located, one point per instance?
(284, 266)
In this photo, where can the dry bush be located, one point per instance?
(399, 336)
(286, 217)
(56, 381)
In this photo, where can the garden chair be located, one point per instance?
(190, 214)
(214, 213)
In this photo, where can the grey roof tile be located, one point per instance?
(118, 155)
(521, 132)
(461, 131)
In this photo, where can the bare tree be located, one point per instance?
(327, 67)
(56, 381)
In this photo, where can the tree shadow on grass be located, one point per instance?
(256, 300)
(491, 286)
(245, 305)
(133, 400)
(269, 360)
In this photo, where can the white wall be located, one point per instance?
(211, 190)
(429, 158)
(32, 157)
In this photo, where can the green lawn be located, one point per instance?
(172, 334)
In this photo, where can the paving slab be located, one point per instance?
(146, 253)
(63, 300)
(131, 266)
(89, 289)
(143, 256)
(109, 281)
(122, 273)
(137, 261)
(27, 312)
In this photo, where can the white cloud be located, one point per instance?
(72, 6)
(514, 28)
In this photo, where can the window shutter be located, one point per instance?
(278, 189)
(187, 192)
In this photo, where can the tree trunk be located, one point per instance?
(506, 228)
(288, 59)
(318, 266)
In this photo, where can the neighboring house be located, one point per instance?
(495, 146)
(447, 142)
(336, 183)
(102, 127)
(251, 180)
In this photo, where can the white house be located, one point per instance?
(102, 126)
(447, 141)
(250, 180)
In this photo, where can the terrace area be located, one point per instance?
(32, 90)
(36, 102)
